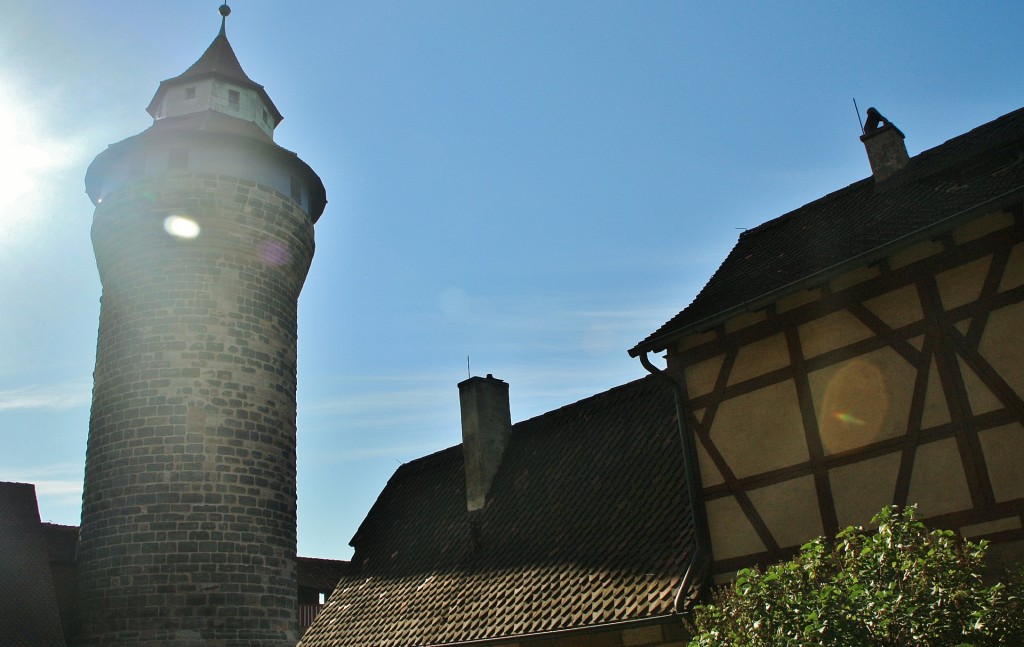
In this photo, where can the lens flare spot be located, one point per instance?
(848, 418)
(274, 252)
(181, 227)
(854, 406)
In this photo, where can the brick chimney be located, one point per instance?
(486, 425)
(884, 142)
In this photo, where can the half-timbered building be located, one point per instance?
(863, 350)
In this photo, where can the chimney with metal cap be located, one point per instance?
(486, 426)
(884, 142)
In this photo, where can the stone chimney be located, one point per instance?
(884, 142)
(486, 426)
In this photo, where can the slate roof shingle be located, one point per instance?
(586, 524)
(978, 171)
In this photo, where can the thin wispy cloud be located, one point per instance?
(369, 453)
(61, 483)
(49, 397)
(553, 323)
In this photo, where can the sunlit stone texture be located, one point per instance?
(203, 235)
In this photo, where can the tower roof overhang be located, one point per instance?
(181, 131)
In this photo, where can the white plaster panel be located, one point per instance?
(962, 284)
(832, 331)
(1003, 448)
(709, 474)
(790, 510)
(1013, 275)
(854, 277)
(696, 339)
(860, 490)
(760, 431)
(982, 226)
(701, 377)
(914, 253)
(797, 299)
(897, 308)
(744, 320)
(936, 410)
(980, 396)
(732, 535)
(1001, 344)
(760, 357)
(938, 484)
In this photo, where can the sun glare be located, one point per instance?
(27, 152)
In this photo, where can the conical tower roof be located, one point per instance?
(218, 61)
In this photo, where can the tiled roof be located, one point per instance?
(586, 524)
(320, 574)
(981, 169)
(219, 60)
(28, 605)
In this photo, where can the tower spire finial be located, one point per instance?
(225, 11)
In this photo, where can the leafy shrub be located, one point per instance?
(904, 584)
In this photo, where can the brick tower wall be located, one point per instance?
(189, 508)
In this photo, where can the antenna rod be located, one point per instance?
(859, 120)
(469, 374)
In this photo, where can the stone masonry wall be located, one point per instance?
(188, 521)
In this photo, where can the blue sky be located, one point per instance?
(535, 184)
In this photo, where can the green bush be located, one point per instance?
(904, 584)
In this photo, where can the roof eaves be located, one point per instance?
(660, 342)
(949, 159)
(557, 633)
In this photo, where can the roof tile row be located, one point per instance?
(586, 524)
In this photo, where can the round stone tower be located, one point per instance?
(203, 235)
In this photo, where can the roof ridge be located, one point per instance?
(973, 132)
(604, 394)
(781, 219)
(426, 460)
(842, 226)
(921, 159)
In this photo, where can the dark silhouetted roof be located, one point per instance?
(28, 604)
(586, 524)
(976, 172)
(320, 574)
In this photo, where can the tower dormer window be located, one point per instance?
(266, 117)
(296, 190)
(234, 99)
(190, 93)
